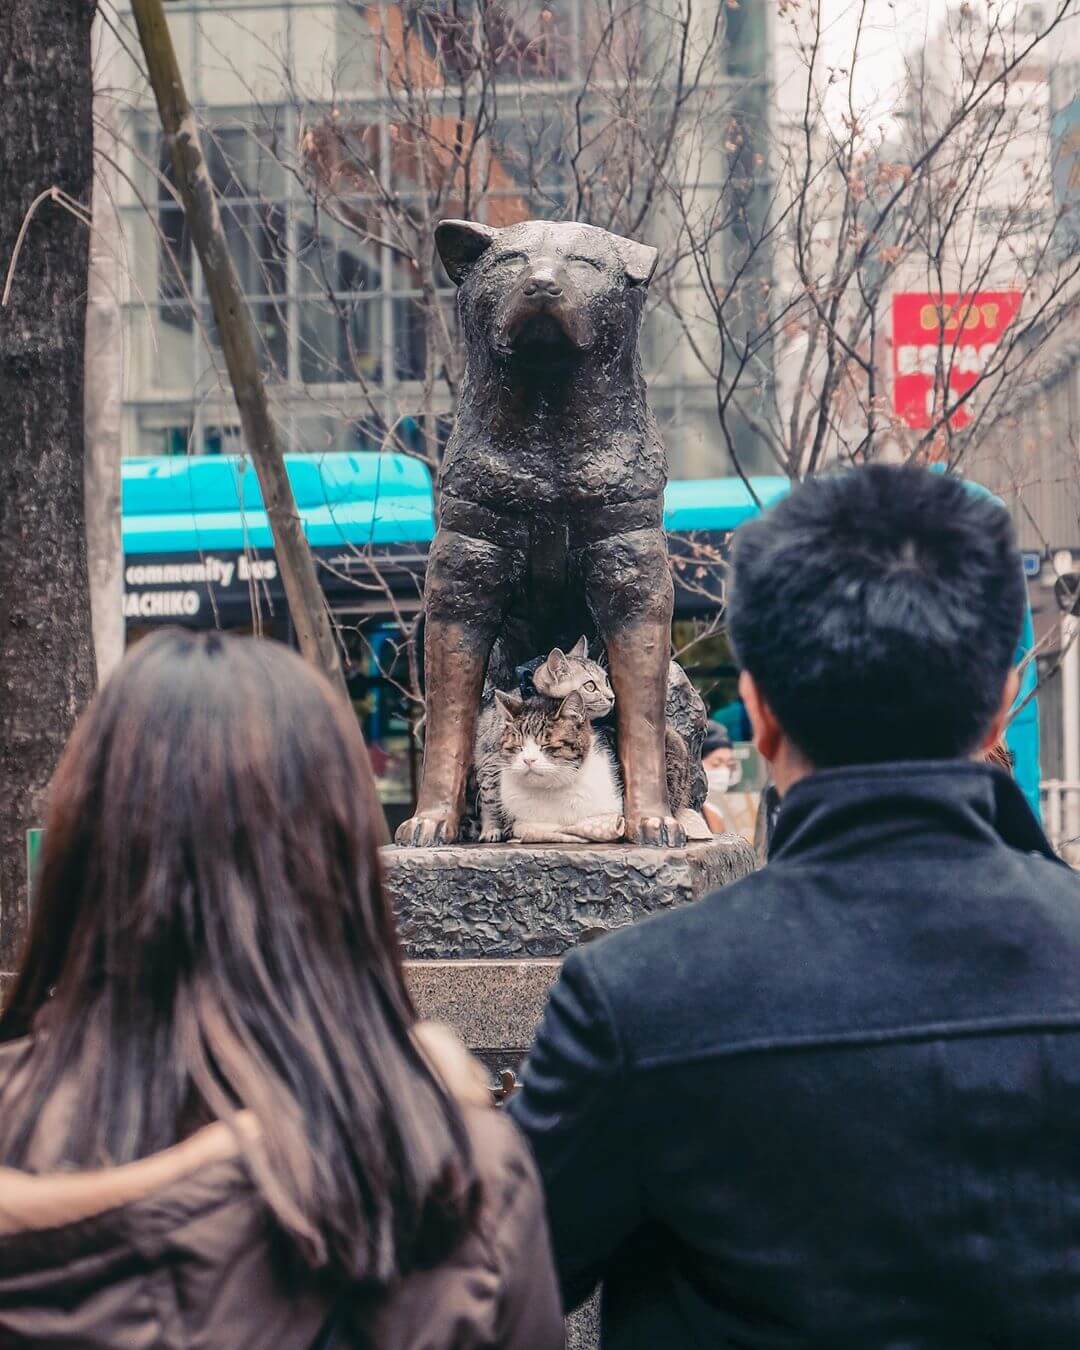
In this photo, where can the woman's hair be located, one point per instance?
(210, 934)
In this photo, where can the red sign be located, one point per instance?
(956, 335)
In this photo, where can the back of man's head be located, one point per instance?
(878, 611)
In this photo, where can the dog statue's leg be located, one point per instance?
(466, 594)
(631, 595)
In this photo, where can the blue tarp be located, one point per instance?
(174, 504)
(717, 503)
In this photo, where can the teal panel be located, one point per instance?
(187, 504)
(717, 503)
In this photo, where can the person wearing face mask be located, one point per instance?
(723, 771)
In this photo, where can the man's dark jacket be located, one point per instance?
(836, 1104)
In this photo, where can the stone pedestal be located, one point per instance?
(484, 929)
(538, 900)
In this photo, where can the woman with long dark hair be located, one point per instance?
(221, 1123)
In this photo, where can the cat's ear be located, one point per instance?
(546, 676)
(580, 650)
(573, 707)
(460, 244)
(557, 664)
(513, 707)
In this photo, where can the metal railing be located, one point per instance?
(1061, 815)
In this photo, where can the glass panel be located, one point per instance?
(314, 47)
(616, 40)
(241, 162)
(159, 350)
(377, 671)
(660, 339)
(254, 225)
(169, 429)
(174, 259)
(530, 171)
(357, 48)
(156, 254)
(341, 153)
(747, 37)
(411, 320)
(271, 323)
(409, 340)
(340, 341)
(333, 257)
(519, 39)
(163, 431)
(242, 53)
(434, 164)
(257, 240)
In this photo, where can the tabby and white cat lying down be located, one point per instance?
(558, 781)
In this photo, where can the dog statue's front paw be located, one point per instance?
(426, 829)
(655, 831)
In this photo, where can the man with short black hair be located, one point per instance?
(837, 1104)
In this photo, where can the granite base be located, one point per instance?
(538, 900)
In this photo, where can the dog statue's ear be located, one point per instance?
(639, 260)
(460, 243)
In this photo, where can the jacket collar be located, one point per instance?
(904, 806)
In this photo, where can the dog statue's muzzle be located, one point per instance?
(542, 319)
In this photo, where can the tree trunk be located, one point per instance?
(105, 372)
(307, 605)
(46, 648)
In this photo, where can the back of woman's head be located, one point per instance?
(210, 934)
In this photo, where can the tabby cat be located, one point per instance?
(558, 781)
(553, 677)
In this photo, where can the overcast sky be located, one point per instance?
(891, 29)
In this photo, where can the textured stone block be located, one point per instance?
(538, 900)
(493, 1005)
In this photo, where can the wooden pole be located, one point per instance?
(307, 605)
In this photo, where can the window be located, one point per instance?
(519, 39)
(330, 180)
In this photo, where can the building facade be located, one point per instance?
(338, 133)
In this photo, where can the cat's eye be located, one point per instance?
(591, 687)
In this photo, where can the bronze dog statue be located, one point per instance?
(551, 503)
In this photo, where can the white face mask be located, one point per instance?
(726, 776)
